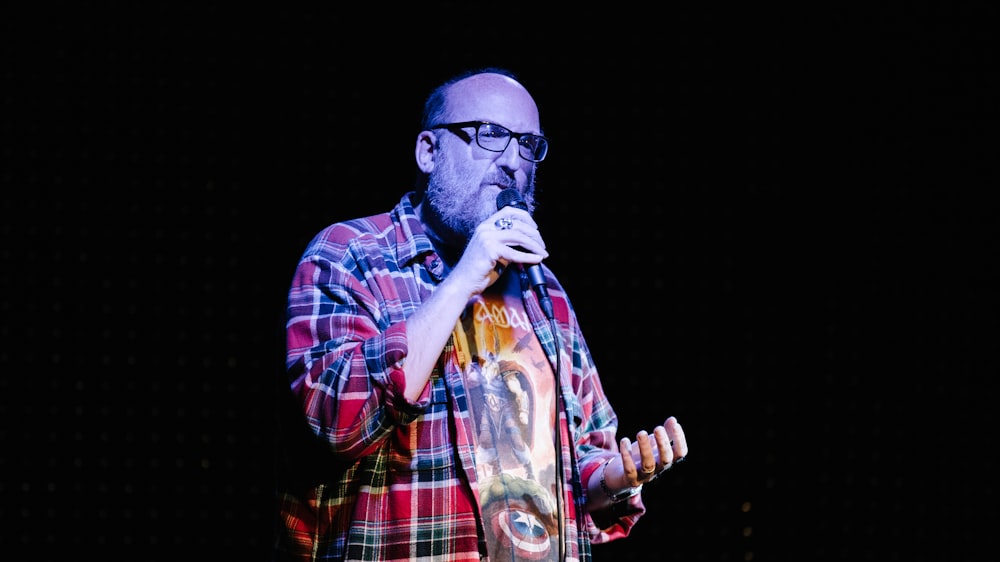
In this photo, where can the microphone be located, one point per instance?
(511, 197)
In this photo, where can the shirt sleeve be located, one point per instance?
(346, 341)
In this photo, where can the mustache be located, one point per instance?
(502, 180)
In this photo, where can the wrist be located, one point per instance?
(613, 495)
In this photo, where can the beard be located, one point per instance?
(458, 203)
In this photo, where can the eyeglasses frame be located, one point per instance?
(513, 135)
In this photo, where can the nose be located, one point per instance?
(510, 158)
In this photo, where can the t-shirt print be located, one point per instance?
(510, 387)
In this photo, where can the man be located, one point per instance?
(423, 348)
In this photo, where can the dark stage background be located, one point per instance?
(776, 225)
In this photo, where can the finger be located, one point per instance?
(628, 463)
(663, 446)
(517, 229)
(518, 243)
(677, 439)
(647, 460)
(518, 215)
(504, 243)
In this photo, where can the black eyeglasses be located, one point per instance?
(495, 138)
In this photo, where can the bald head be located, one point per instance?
(477, 95)
(492, 97)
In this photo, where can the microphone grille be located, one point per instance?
(512, 197)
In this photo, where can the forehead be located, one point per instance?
(496, 98)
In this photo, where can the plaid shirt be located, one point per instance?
(385, 478)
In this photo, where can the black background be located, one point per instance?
(775, 224)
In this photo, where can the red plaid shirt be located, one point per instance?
(385, 478)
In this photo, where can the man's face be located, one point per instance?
(466, 179)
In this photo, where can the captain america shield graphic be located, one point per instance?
(521, 519)
(524, 533)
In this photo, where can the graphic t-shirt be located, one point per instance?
(510, 386)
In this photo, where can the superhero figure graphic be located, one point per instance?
(505, 418)
(512, 415)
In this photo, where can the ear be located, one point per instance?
(425, 151)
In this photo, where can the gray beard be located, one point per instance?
(456, 209)
(454, 215)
